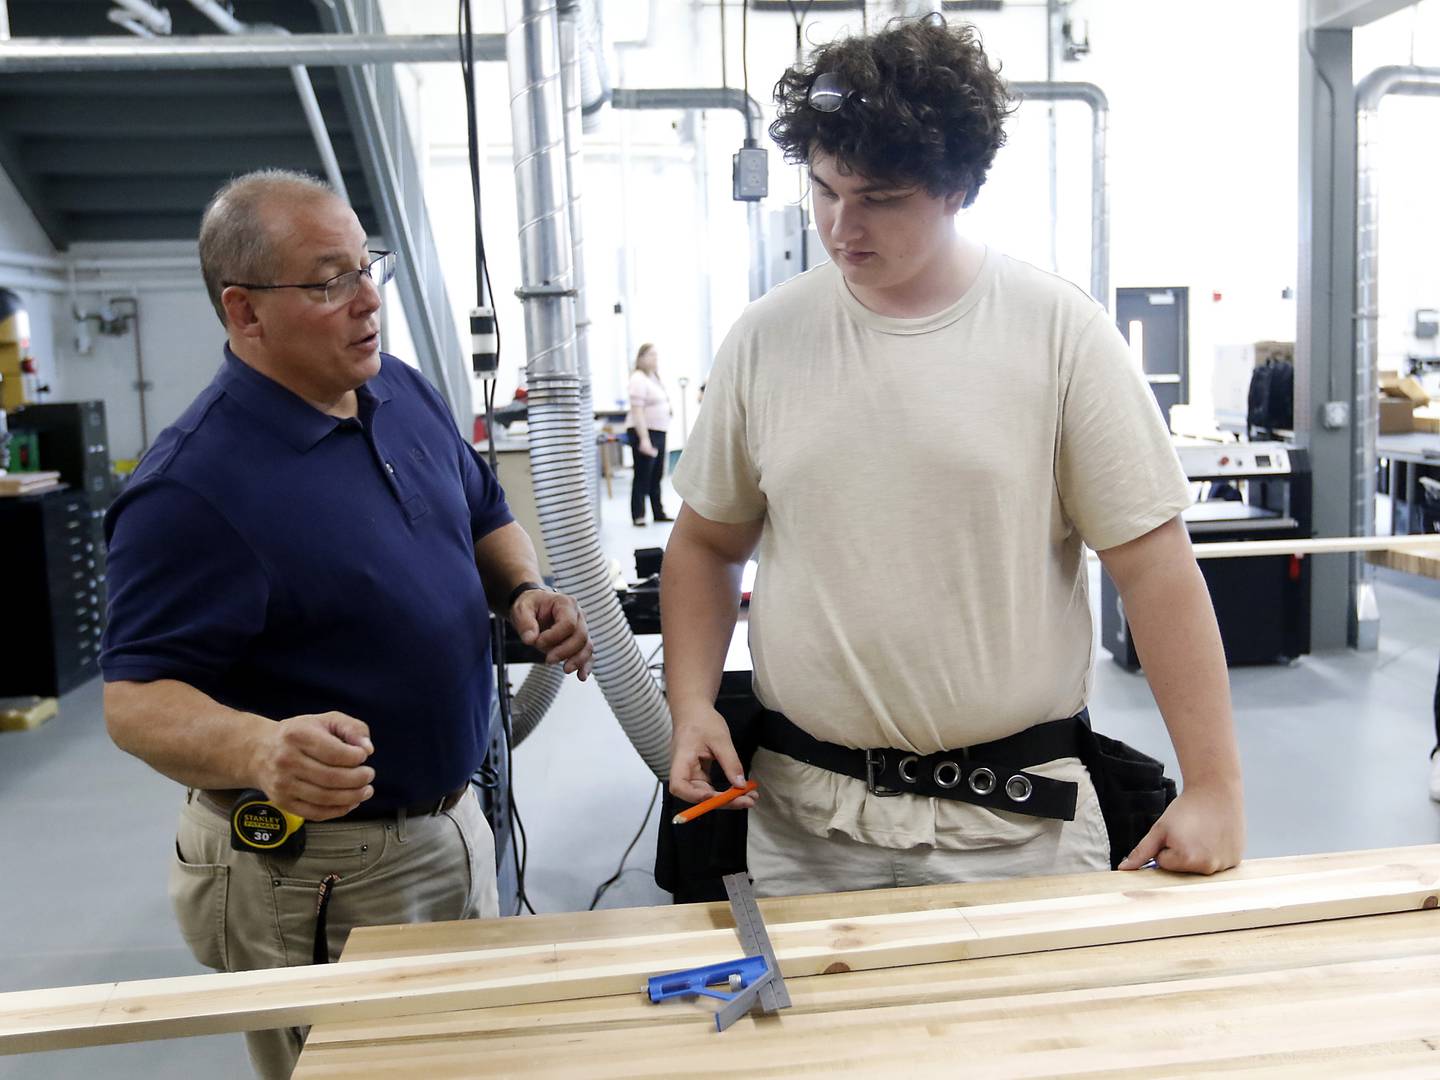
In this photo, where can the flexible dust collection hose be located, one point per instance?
(557, 465)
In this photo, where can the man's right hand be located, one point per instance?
(701, 738)
(314, 765)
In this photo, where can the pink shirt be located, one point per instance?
(649, 402)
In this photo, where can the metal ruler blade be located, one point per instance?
(750, 928)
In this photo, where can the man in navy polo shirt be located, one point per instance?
(295, 605)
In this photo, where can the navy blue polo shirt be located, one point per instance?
(287, 562)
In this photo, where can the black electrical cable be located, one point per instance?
(519, 842)
(799, 18)
(604, 886)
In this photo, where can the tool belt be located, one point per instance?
(1131, 787)
(992, 774)
(222, 802)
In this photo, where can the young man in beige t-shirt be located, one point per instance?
(920, 438)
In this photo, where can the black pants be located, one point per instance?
(648, 471)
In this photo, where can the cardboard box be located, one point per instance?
(1397, 416)
(1427, 420)
(1408, 388)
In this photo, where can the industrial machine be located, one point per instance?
(1253, 491)
(17, 369)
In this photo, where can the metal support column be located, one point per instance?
(1325, 332)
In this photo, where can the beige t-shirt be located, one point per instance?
(928, 486)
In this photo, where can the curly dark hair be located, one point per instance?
(933, 111)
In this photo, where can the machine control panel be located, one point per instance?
(1254, 459)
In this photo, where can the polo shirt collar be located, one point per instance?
(290, 416)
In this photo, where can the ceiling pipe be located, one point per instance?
(714, 97)
(1093, 96)
(304, 88)
(1365, 397)
(206, 52)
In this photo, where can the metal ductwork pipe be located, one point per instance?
(1093, 96)
(557, 434)
(1365, 397)
(537, 693)
(304, 88)
(217, 51)
(533, 700)
(714, 98)
(594, 71)
(573, 101)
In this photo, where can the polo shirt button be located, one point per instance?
(390, 468)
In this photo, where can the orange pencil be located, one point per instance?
(713, 802)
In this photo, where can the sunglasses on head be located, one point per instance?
(829, 92)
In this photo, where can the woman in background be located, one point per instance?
(648, 420)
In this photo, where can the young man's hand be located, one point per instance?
(1202, 832)
(701, 738)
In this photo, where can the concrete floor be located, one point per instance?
(1335, 750)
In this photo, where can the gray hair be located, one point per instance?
(234, 242)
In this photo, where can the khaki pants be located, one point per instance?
(240, 911)
(788, 857)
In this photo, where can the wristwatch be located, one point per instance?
(523, 587)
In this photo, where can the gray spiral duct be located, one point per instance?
(533, 700)
(559, 436)
(540, 688)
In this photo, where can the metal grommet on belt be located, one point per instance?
(982, 781)
(1019, 788)
(947, 774)
(906, 768)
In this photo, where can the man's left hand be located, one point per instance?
(552, 623)
(1201, 832)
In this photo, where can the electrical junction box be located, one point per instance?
(751, 174)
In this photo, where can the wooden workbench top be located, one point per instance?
(1332, 997)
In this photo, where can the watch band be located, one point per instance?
(523, 587)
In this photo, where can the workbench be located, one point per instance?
(1410, 448)
(1331, 997)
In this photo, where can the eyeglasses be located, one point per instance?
(829, 92)
(341, 288)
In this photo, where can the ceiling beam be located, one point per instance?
(1348, 14)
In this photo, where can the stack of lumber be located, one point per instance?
(28, 483)
(1305, 966)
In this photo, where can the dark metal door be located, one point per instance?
(1156, 322)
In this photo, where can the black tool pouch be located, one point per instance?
(691, 859)
(1132, 788)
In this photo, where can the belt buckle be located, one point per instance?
(875, 761)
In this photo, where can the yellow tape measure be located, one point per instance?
(257, 824)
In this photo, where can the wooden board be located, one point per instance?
(26, 714)
(1151, 907)
(1322, 545)
(1338, 998)
(1419, 559)
(28, 483)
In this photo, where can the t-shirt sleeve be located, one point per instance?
(1117, 472)
(717, 475)
(187, 593)
(483, 494)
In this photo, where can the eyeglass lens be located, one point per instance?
(342, 289)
